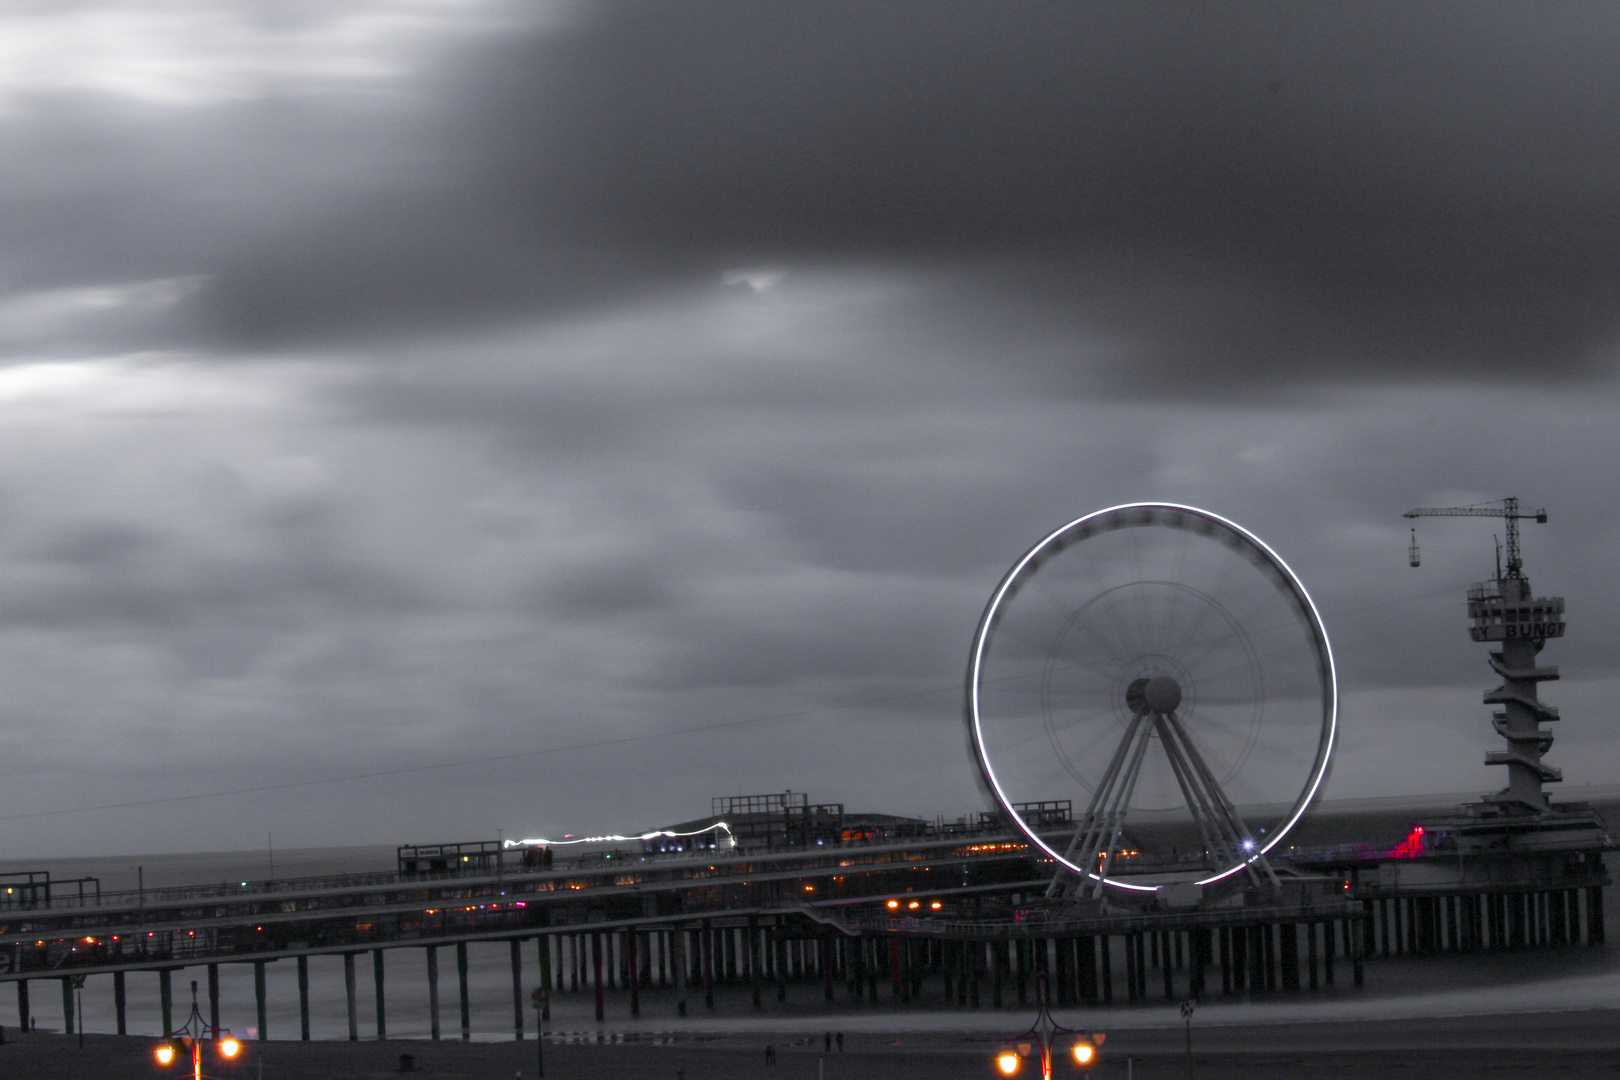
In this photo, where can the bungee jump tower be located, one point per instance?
(1515, 868)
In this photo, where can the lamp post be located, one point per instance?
(1084, 1051)
(538, 1001)
(78, 990)
(191, 1036)
(1187, 1008)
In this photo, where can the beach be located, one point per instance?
(1569, 1045)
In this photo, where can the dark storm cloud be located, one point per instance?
(605, 589)
(110, 574)
(1230, 191)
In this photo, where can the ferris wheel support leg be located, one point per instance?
(1112, 804)
(1226, 841)
(1227, 812)
(1090, 830)
(1197, 801)
(1122, 803)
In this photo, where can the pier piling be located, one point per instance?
(633, 971)
(596, 970)
(433, 990)
(213, 996)
(377, 982)
(707, 949)
(516, 947)
(349, 996)
(544, 943)
(461, 987)
(258, 999)
(303, 999)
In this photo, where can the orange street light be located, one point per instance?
(1085, 1053)
(191, 1036)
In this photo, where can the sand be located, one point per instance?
(1574, 1045)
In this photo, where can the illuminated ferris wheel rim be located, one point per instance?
(1020, 569)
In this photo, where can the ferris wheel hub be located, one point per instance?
(1162, 695)
(1136, 697)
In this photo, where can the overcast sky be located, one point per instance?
(576, 412)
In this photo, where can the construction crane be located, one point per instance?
(1509, 510)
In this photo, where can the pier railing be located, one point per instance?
(594, 871)
(1102, 924)
(741, 862)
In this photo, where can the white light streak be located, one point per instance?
(656, 834)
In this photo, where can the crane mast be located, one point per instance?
(1504, 612)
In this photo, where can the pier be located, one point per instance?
(947, 915)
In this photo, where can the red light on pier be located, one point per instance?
(1411, 847)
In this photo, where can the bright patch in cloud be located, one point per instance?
(196, 52)
(44, 311)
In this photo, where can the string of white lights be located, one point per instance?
(656, 834)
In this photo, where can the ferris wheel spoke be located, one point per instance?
(1177, 573)
(1246, 663)
(1058, 724)
(1205, 719)
(1225, 699)
(1062, 609)
(1103, 658)
(1033, 647)
(1122, 642)
(1094, 673)
(1214, 640)
(1210, 592)
(1136, 619)
(1224, 737)
(1109, 652)
(1001, 682)
(1040, 731)
(1181, 608)
(1104, 594)
(1214, 644)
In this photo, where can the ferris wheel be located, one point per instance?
(1160, 667)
